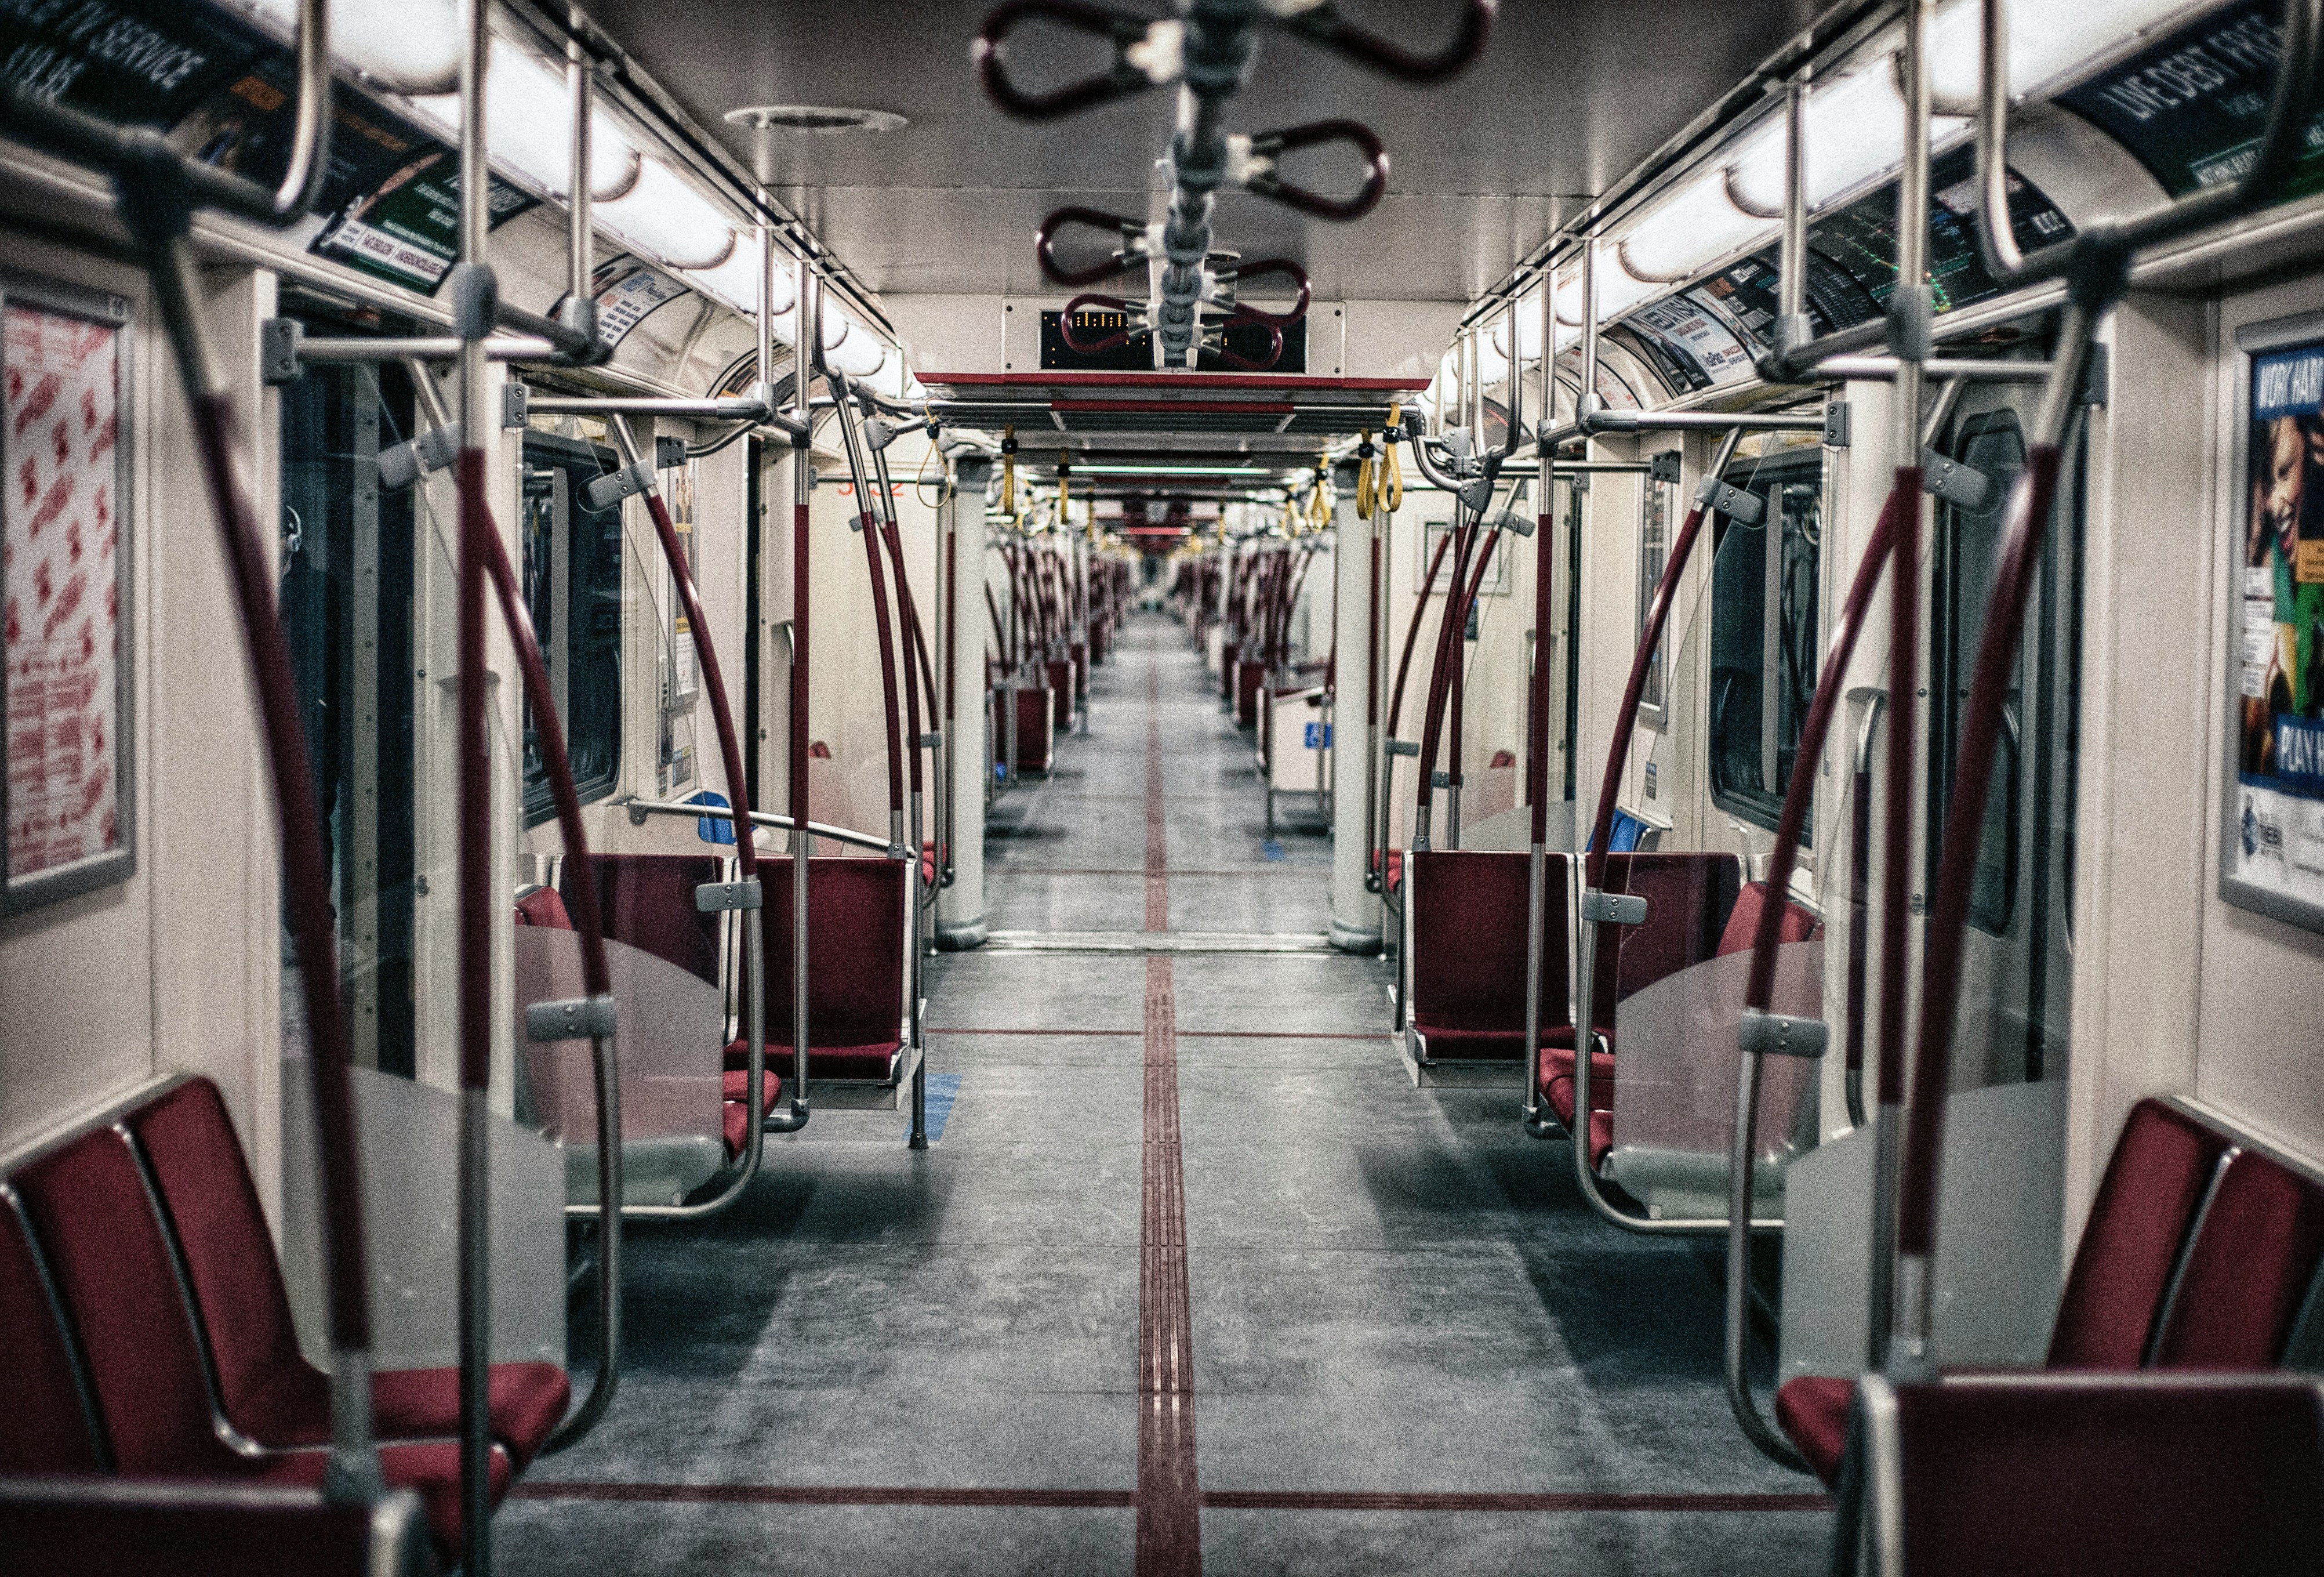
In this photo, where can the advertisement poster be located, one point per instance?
(2275, 851)
(408, 231)
(60, 602)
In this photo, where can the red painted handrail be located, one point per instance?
(1980, 735)
(1831, 683)
(1626, 720)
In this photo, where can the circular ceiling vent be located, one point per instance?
(816, 119)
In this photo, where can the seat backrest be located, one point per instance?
(2163, 1165)
(541, 906)
(648, 902)
(50, 1427)
(2082, 1473)
(106, 1247)
(1469, 909)
(855, 950)
(1689, 897)
(197, 1165)
(1742, 930)
(2248, 1270)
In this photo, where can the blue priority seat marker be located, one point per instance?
(943, 1090)
(1271, 849)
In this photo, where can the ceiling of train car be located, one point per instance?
(1568, 97)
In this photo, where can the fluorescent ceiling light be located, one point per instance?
(859, 353)
(1855, 131)
(2047, 39)
(736, 282)
(410, 48)
(529, 127)
(664, 217)
(1689, 231)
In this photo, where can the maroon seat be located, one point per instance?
(648, 902)
(2155, 1183)
(735, 1108)
(1469, 907)
(2253, 1256)
(50, 1429)
(2248, 1272)
(2083, 1475)
(541, 907)
(265, 1385)
(142, 1359)
(856, 944)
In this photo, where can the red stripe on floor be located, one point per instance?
(1169, 1495)
(1389, 1500)
(1157, 854)
(817, 1495)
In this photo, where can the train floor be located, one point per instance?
(1193, 1279)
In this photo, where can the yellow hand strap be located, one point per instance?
(1391, 482)
(1008, 472)
(1367, 469)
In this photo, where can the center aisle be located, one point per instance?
(1194, 1279)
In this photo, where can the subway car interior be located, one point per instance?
(1571, 821)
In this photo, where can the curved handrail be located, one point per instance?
(1831, 684)
(1322, 25)
(1266, 180)
(746, 856)
(1451, 635)
(1594, 863)
(868, 525)
(588, 924)
(156, 192)
(1044, 243)
(639, 809)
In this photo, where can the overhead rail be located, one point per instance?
(1193, 303)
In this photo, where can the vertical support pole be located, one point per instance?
(1537, 1120)
(474, 303)
(960, 905)
(805, 350)
(1909, 313)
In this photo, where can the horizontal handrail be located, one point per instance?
(640, 809)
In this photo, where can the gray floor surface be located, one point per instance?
(1393, 1290)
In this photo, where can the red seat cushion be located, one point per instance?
(1557, 1089)
(870, 1061)
(265, 1384)
(1814, 1411)
(647, 903)
(2253, 1261)
(2153, 1183)
(1742, 930)
(431, 1470)
(857, 945)
(542, 906)
(736, 1109)
(1468, 966)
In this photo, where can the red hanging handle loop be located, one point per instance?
(1131, 252)
(1273, 265)
(1110, 342)
(1322, 25)
(1267, 180)
(1119, 80)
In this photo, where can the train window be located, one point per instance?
(573, 590)
(1968, 544)
(1764, 634)
(348, 569)
(1654, 552)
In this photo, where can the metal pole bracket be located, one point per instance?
(1765, 1034)
(716, 897)
(1741, 507)
(573, 1018)
(1614, 908)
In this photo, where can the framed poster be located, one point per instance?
(66, 797)
(2272, 843)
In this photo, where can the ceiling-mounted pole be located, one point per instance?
(1793, 326)
(1585, 399)
(580, 310)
